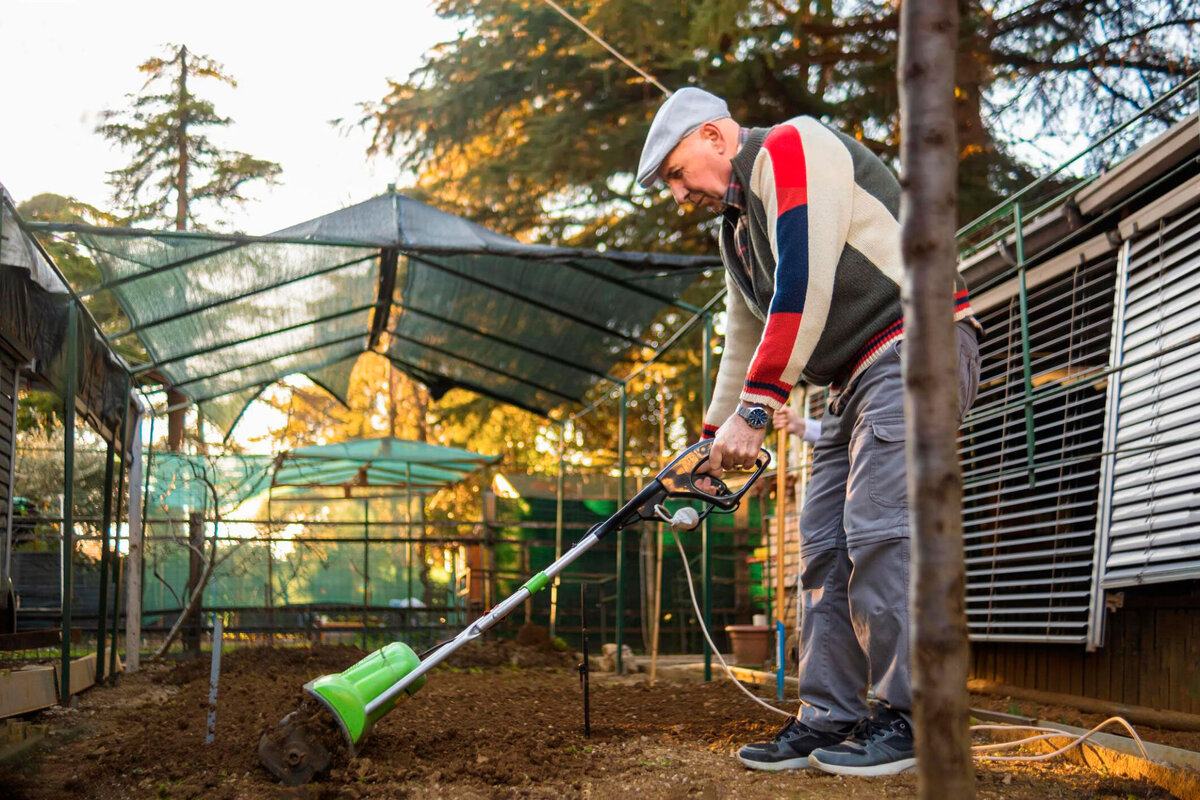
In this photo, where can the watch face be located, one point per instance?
(757, 417)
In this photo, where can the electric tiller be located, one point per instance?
(298, 748)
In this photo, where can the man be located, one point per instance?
(810, 239)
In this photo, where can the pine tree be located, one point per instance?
(525, 124)
(175, 163)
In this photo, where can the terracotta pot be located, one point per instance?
(751, 643)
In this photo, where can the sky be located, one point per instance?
(298, 66)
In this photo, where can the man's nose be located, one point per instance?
(679, 193)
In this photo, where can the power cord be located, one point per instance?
(685, 519)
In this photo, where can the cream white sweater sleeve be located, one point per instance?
(743, 331)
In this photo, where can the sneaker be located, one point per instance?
(882, 744)
(789, 749)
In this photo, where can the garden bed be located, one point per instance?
(501, 721)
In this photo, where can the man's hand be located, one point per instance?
(736, 446)
(785, 420)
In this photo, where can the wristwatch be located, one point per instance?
(755, 416)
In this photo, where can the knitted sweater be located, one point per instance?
(819, 296)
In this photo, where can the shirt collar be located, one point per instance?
(735, 193)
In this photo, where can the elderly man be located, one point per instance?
(810, 239)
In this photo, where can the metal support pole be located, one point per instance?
(558, 527)
(366, 568)
(136, 558)
(409, 549)
(1026, 367)
(781, 511)
(68, 523)
(115, 562)
(269, 589)
(706, 543)
(621, 434)
(116, 617)
(6, 567)
(105, 532)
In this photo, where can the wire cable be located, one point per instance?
(608, 47)
(1049, 733)
(672, 523)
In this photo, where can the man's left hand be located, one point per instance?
(736, 446)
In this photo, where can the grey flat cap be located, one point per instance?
(683, 113)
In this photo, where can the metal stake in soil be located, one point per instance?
(214, 678)
(584, 664)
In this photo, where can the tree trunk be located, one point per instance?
(191, 636)
(175, 420)
(181, 143)
(929, 158)
(393, 400)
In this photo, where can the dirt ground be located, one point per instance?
(502, 721)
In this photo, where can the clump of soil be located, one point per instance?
(476, 732)
(506, 653)
(536, 636)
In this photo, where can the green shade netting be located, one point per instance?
(222, 316)
(378, 462)
(232, 318)
(194, 482)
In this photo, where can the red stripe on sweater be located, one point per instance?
(788, 167)
(775, 350)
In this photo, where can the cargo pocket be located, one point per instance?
(968, 376)
(888, 481)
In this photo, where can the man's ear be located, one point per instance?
(711, 133)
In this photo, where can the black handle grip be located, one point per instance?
(679, 478)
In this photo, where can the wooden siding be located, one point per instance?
(1150, 657)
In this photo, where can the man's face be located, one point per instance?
(697, 171)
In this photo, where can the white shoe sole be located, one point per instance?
(871, 771)
(800, 762)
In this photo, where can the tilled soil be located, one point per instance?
(480, 728)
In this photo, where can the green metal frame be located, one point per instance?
(705, 539)
(1004, 208)
(68, 523)
(621, 446)
(105, 532)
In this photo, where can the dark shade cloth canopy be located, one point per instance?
(222, 316)
(35, 305)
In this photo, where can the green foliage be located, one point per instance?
(526, 124)
(39, 476)
(173, 159)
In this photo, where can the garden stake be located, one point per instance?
(583, 665)
(360, 696)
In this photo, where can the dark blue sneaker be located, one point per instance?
(882, 744)
(789, 749)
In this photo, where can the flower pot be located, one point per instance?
(751, 643)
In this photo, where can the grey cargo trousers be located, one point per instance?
(854, 548)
